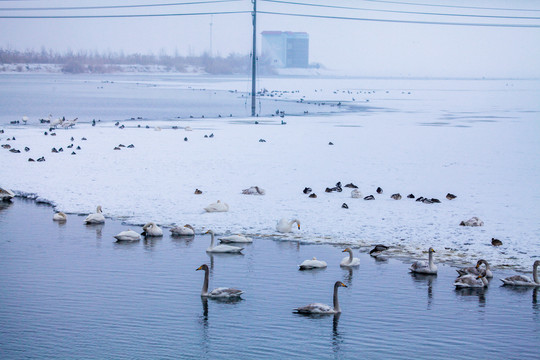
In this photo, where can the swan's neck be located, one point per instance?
(485, 281)
(336, 302)
(535, 273)
(212, 241)
(487, 265)
(205, 283)
(431, 260)
(350, 255)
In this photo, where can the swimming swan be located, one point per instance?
(522, 280)
(318, 308)
(235, 239)
(349, 260)
(285, 226)
(221, 248)
(421, 267)
(151, 229)
(471, 281)
(186, 230)
(475, 270)
(217, 207)
(312, 264)
(127, 235)
(96, 218)
(59, 216)
(222, 293)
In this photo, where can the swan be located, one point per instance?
(217, 207)
(6, 194)
(421, 267)
(349, 260)
(475, 270)
(127, 235)
(96, 218)
(318, 308)
(522, 280)
(254, 190)
(222, 293)
(312, 264)
(236, 239)
(221, 248)
(151, 229)
(471, 281)
(285, 226)
(59, 216)
(186, 230)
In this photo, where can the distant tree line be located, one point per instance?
(96, 62)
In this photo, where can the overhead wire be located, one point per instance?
(450, 6)
(119, 15)
(402, 11)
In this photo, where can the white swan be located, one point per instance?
(349, 260)
(217, 207)
(475, 270)
(96, 218)
(312, 264)
(151, 229)
(285, 226)
(356, 194)
(59, 216)
(471, 281)
(522, 280)
(221, 248)
(318, 308)
(235, 239)
(6, 194)
(421, 267)
(127, 235)
(222, 293)
(186, 230)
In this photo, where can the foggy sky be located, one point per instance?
(357, 47)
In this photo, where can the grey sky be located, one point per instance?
(358, 47)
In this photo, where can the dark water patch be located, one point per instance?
(70, 291)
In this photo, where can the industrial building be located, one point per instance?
(286, 49)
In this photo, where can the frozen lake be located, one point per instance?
(69, 291)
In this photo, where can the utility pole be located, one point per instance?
(211, 23)
(253, 58)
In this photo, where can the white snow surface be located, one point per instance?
(481, 144)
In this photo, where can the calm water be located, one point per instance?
(69, 291)
(121, 97)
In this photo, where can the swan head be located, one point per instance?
(480, 262)
(98, 209)
(347, 250)
(339, 284)
(209, 232)
(189, 227)
(202, 267)
(431, 250)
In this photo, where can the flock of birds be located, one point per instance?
(469, 277)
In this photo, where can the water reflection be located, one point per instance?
(425, 278)
(98, 228)
(479, 292)
(5, 205)
(183, 241)
(150, 242)
(337, 339)
(348, 275)
(203, 320)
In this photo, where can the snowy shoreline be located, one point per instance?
(480, 145)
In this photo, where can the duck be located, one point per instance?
(421, 267)
(475, 270)
(221, 248)
(323, 309)
(471, 281)
(522, 280)
(127, 235)
(151, 229)
(217, 207)
(235, 239)
(59, 216)
(96, 218)
(254, 190)
(349, 261)
(186, 230)
(285, 226)
(218, 293)
(312, 264)
(377, 250)
(496, 242)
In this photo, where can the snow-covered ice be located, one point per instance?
(480, 142)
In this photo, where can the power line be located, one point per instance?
(403, 21)
(116, 6)
(450, 6)
(403, 11)
(120, 16)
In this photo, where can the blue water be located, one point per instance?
(69, 291)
